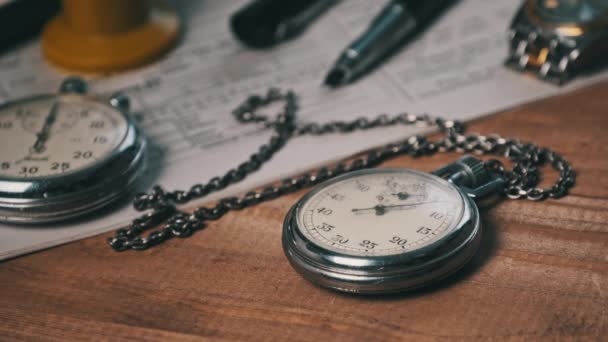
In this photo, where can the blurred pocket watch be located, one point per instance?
(66, 154)
(558, 39)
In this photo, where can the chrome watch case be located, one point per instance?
(557, 39)
(72, 194)
(401, 272)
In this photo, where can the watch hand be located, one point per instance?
(381, 209)
(43, 135)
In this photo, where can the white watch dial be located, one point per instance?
(53, 135)
(385, 212)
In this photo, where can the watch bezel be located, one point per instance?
(382, 274)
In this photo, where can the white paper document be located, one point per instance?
(183, 102)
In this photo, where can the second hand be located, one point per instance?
(43, 135)
(381, 209)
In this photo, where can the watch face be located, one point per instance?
(381, 213)
(53, 135)
(572, 11)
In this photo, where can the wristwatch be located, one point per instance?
(557, 39)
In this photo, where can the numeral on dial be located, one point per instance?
(340, 239)
(437, 215)
(423, 230)
(325, 211)
(362, 187)
(32, 170)
(325, 227)
(100, 140)
(338, 197)
(398, 241)
(368, 244)
(98, 124)
(60, 166)
(82, 154)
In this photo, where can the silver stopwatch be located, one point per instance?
(388, 230)
(361, 229)
(66, 154)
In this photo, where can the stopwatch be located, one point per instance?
(388, 230)
(66, 154)
(363, 229)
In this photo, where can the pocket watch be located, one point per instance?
(557, 39)
(388, 230)
(66, 154)
(362, 229)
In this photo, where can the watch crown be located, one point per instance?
(467, 171)
(120, 101)
(474, 169)
(73, 85)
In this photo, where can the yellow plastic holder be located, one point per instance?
(104, 36)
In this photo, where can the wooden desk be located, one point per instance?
(542, 272)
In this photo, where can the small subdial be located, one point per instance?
(398, 192)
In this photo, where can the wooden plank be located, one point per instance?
(542, 272)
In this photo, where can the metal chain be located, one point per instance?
(521, 181)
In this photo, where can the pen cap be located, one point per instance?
(424, 11)
(19, 22)
(264, 23)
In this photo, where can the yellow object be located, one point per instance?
(539, 58)
(103, 36)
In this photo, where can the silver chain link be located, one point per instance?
(521, 182)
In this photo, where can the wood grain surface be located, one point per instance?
(541, 273)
